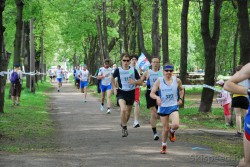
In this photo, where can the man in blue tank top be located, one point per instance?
(128, 77)
(168, 101)
(232, 86)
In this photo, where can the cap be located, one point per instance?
(220, 82)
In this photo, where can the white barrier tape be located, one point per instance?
(202, 86)
(29, 73)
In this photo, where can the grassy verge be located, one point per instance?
(190, 117)
(21, 127)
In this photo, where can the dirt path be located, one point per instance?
(90, 138)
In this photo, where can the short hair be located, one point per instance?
(238, 68)
(107, 62)
(125, 55)
(134, 56)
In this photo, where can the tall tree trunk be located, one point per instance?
(140, 29)
(105, 31)
(18, 36)
(3, 58)
(27, 51)
(100, 35)
(165, 50)
(155, 30)
(132, 32)
(121, 27)
(243, 17)
(74, 58)
(184, 40)
(42, 57)
(32, 57)
(236, 36)
(210, 45)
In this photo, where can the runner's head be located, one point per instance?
(168, 69)
(107, 63)
(134, 59)
(155, 63)
(125, 60)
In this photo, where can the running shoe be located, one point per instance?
(124, 132)
(108, 111)
(156, 137)
(58, 90)
(172, 137)
(102, 108)
(164, 149)
(136, 124)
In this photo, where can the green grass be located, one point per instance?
(28, 122)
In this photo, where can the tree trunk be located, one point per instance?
(155, 30)
(121, 27)
(32, 57)
(74, 58)
(42, 57)
(3, 58)
(243, 17)
(99, 29)
(210, 44)
(27, 52)
(18, 36)
(133, 33)
(235, 47)
(105, 31)
(184, 41)
(140, 29)
(165, 50)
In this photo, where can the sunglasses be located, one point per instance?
(126, 60)
(169, 70)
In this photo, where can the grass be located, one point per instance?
(190, 117)
(21, 126)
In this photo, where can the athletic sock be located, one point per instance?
(164, 144)
(172, 131)
(154, 130)
(124, 127)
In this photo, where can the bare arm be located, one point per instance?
(231, 84)
(181, 91)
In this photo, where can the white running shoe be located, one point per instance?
(102, 107)
(156, 137)
(108, 111)
(136, 124)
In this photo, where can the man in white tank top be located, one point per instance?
(168, 103)
(104, 75)
(84, 81)
(59, 73)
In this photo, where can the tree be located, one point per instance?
(155, 30)
(3, 58)
(184, 40)
(165, 51)
(243, 17)
(19, 23)
(210, 45)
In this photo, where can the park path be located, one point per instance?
(90, 138)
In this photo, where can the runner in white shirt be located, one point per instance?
(84, 81)
(104, 75)
(59, 73)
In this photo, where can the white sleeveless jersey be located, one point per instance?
(103, 72)
(58, 73)
(84, 75)
(125, 76)
(153, 77)
(168, 93)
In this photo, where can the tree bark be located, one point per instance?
(27, 52)
(100, 35)
(210, 44)
(236, 36)
(140, 29)
(165, 50)
(243, 18)
(3, 58)
(133, 33)
(155, 30)
(105, 31)
(32, 57)
(18, 35)
(184, 41)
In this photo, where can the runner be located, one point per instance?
(168, 101)
(128, 78)
(104, 75)
(151, 76)
(76, 77)
(232, 86)
(59, 73)
(84, 81)
(136, 124)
